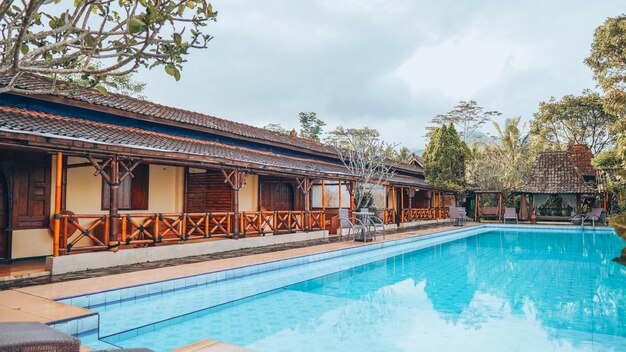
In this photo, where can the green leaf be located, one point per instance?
(178, 38)
(24, 49)
(135, 25)
(169, 68)
(176, 74)
(190, 4)
(102, 90)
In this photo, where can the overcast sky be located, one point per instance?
(387, 64)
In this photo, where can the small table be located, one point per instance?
(364, 217)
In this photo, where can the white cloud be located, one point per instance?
(463, 65)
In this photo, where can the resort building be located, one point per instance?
(88, 172)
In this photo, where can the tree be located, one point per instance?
(311, 126)
(404, 155)
(608, 62)
(445, 157)
(573, 120)
(97, 39)
(366, 158)
(125, 84)
(276, 127)
(607, 160)
(502, 164)
(467, 116)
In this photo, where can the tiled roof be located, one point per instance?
(582, 156)
(153, 110)
(28, 122)
(166, 113)
(556, 173)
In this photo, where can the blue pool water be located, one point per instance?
(492, 289)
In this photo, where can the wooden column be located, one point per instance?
(477, 207)
(305, 185)
(351, 190)
(323, 195)
(401, 204)
(411, 195)
(114, 187)
(57, 203)
(236, 179)
(394, 203)
(339, 195)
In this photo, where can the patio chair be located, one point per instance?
(376, 223)
(351, 224)
(510, 214)
(457, 216)
(596, 214)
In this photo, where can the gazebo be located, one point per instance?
(559, 180)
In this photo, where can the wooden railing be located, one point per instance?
(80, 233)
(416, 214)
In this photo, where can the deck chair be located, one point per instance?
(510, 214)
(596, 214)
(351, 224)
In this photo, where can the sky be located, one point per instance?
(390, 65)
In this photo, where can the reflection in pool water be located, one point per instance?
(503, 290)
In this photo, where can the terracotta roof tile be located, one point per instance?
(125, 103)
(582, 156)
(30, 122)
(556, 173)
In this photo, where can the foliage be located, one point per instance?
(403, 155)
(502, 164)
(467, 116)
(276, 127)
(445, 157)
(125, 84)
(98, 39)
(608, 62)
(607, 160)
(311, 126)
(366, 158)
(573, 120)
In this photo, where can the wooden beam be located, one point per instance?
(339, 184)
(401, 204)
(57, 203)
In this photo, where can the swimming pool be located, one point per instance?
(487, 288)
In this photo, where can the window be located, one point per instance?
(133, 191)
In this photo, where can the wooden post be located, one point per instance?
(305, 185)
(476, 207)
(351, 195)
(339, 196)
(236, 179)
(114, 187)
(394, 204)
(323, 195)
(323, 205)
(57, 203)
(402, 204)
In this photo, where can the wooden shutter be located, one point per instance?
(207, 191)
(31, 205)
(133, 192)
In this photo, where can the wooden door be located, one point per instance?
(277, 196)
(4, 218)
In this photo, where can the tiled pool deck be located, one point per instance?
(37, 303)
